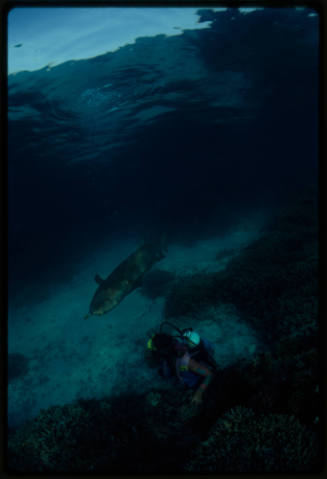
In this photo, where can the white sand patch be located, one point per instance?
(201, 256)
(72, 357)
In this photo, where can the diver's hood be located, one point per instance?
(193, 338)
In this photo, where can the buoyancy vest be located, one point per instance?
(182, 364)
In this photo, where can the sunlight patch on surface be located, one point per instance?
(39, 37)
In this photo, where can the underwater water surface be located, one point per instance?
(202, 137)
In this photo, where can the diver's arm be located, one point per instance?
(197, 368)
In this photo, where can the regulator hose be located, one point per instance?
(173, 326)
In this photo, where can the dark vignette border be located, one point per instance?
(321, 8)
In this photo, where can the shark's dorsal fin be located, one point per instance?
(98, 279)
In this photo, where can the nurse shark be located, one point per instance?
(125, 278)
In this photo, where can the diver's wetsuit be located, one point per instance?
(189, 368)
(203, 352)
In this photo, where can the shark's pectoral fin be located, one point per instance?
(98, 279)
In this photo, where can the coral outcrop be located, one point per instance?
(273, 282)
(243, 441)
(107, 435)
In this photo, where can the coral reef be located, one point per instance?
(243, 441)
(59, 437)
(284, 383)
(114, 435)
(273, 282)
(106, 435)
(262, 414)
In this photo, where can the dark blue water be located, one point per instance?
(171, 133)
(182, 135)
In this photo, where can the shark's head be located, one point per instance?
(104, 301)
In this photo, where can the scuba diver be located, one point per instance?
(185, 356)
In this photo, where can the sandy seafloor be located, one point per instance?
(70, 357)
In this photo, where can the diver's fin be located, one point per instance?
(98, 280)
